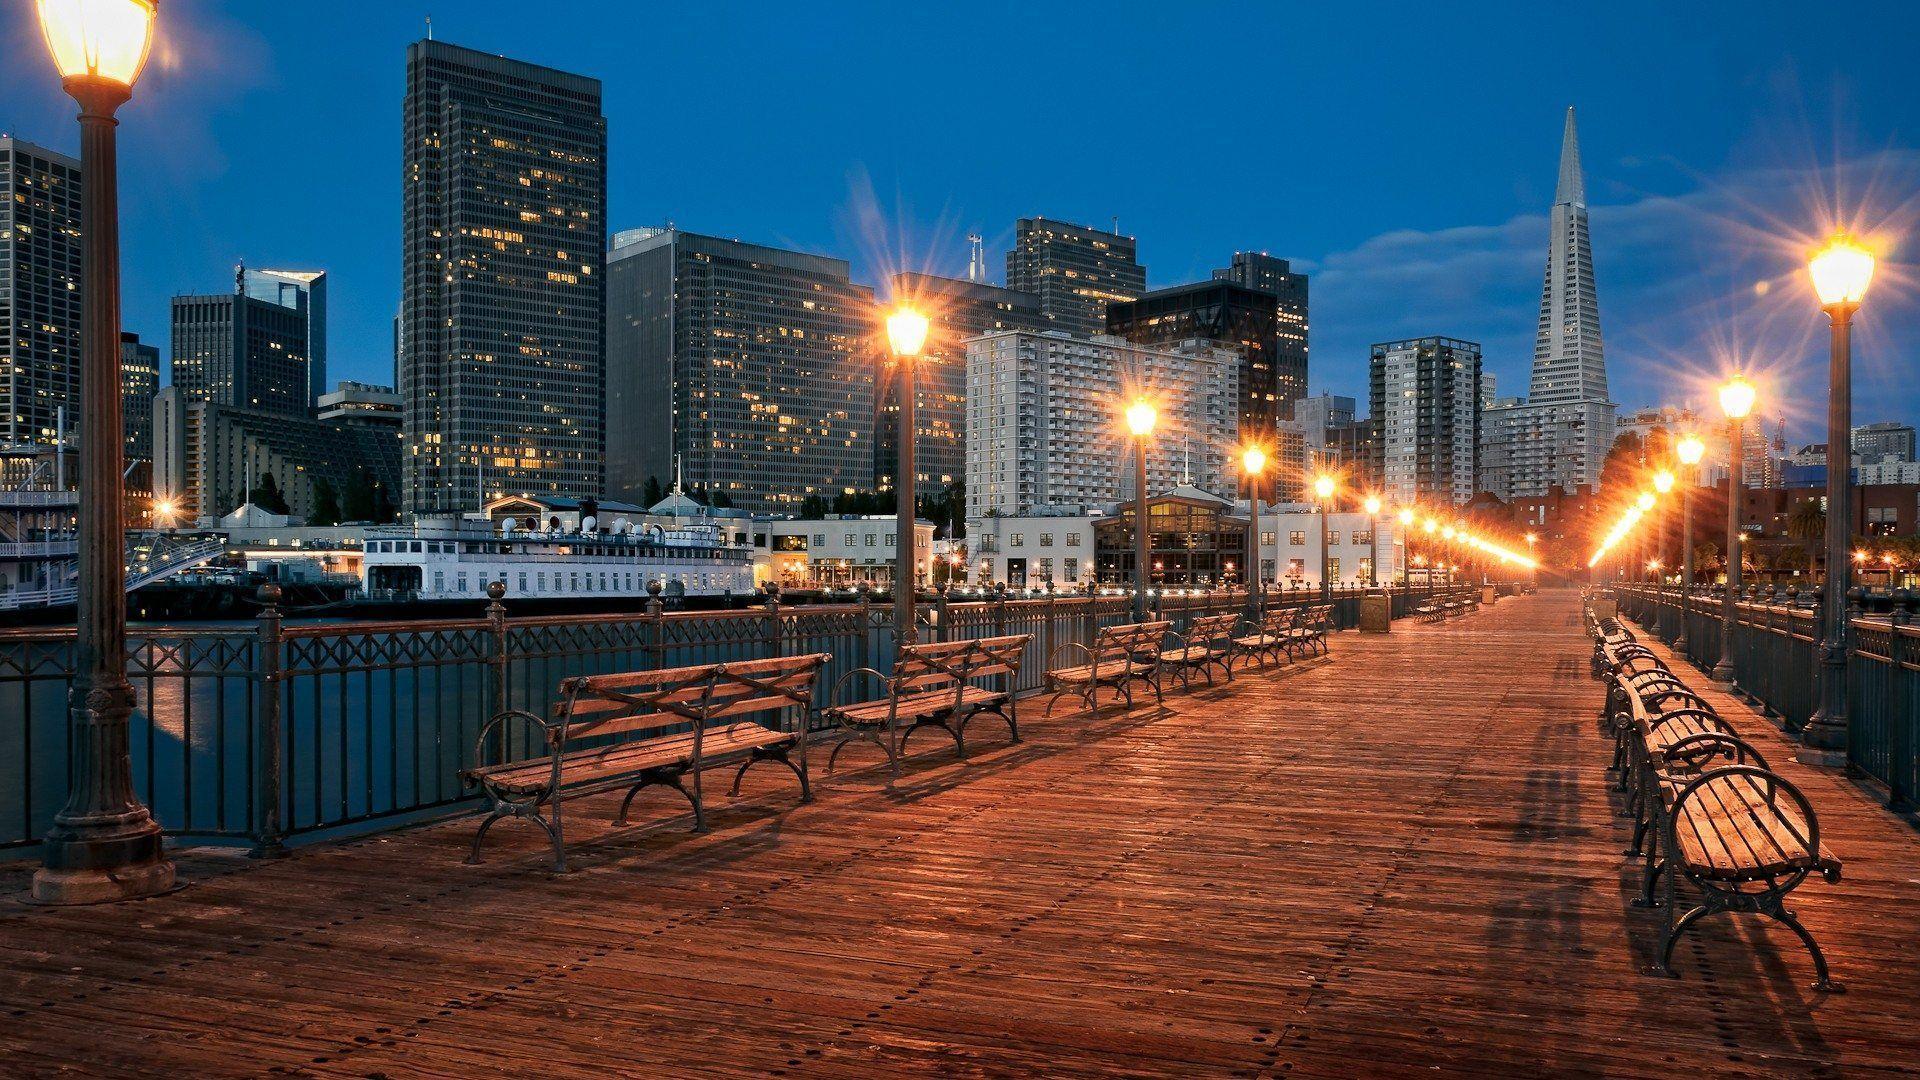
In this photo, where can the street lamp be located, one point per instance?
(1140, 418)
(1662, 485)
(1689, 450)
(1406, 534)
(1373, 533)
(906, 336)
(1323, 487)
(1533, 567)
(1253, 461)
(1736, 400)
(1841, 273)
(104, 845)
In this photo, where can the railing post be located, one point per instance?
(657, 625)
(944, 606)
(1000, 610)
(267, 839)
(772, 632)
(497, 630)
(1899, 720)
(1046, 625)
(862, 649)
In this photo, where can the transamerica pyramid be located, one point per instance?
(1569, 362)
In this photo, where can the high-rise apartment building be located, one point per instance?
(1560, 436)
(231, 349)
(957, 310)
(139, 381)
(752, 365)
(1258, 270)
(304, 291)
(1076, 271)
(502, 297)
(1224, 315)
(1883, 442)
(1043, 426)
(40, 232)
(1425, 394)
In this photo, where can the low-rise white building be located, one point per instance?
(838, 551)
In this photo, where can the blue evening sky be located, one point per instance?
(1403, 153)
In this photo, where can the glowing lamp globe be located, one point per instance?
(1406, 517)
(1663, 481)
(907, 332)
(1373, 504)
(106, 40)
(1323, 486)
(1447, 532)
(1736, 398)
(1841, 272)
(1140, 417)
(1431, 526)
(1253, 460)
(1690, 450)
(1645, 502)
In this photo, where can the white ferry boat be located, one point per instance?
(550, 548)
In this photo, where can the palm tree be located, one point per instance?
(1808, 523)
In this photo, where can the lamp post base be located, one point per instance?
(100, 865)
(1723, 677)
(1825, 732)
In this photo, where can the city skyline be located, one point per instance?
(1679, 199)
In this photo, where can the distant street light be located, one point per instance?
(1689, 450)
(1736, 400)
(1253, 461)
(1323, 487)
(1841, 273)
(906, 337)
(104, 844)
(1140, 419)
(1662, 485)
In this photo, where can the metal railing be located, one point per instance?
(1776, 663)
(266, 731)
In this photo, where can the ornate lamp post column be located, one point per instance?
(1736, 400)
(1253, 461)
(1140, 418)
(1373, 534)
(1841, 273)
(906, 335)
(104, 845)
(1690, 450)
(1323, 488)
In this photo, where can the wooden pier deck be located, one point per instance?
(1401, 860)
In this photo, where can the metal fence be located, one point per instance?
(1776, 663)
(270, 731)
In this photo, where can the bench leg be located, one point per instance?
(667, 777)
(1792, 922)
(1665, 967)
(473, 856)
(872, 736)
(504, 808)
(778, 754)
(996, 710)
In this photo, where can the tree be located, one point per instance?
(815, 506)
(1808, 524)
(368, 500)
(652, 493)
(326, 503)
(267, 496)
(721, 500)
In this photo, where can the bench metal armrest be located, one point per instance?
(834, 704)
(1064, 646)
(1177, 636)
(500, 719)
(1743, 750)
(1775, 784)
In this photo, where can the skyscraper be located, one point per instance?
(1075, 270)
(231, 349)
(40, 230)
(957, 310)
(1258, 270)
(503, 306)
(1222, 313)
(1425, 394)
(752, 365)
(1560, 436)
(304, 291)
(139, 381)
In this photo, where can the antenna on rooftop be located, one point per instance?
(429, 26)
(976, 259)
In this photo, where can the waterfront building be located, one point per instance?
(1425, 396)
(139, 381)
(503, 313)
(838, 551)
(1561, 434)
(304, 291)
(1042, 427)
(1075, 270)
(1226, 315)
(211, 458)
(956, 310)
(40, 303)
(233, 350)
(752, 366)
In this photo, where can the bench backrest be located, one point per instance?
(695, 694)
(1281, 620)
(1117, 645)
(931, 666)
(1210, 630)
(998, 656)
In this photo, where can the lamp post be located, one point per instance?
(1323, 487)
(1253, 461)
(906, 335)
(1533, 568)
(1431, 526)
(1373, 534)
(1690, 450)
(1406, 553)
(1840, 272)
(104, 845)
(1662, 486)
(1736, 400)
(1140, 418)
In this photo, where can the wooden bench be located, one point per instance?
(938, 684)
(700, 715)
(1120, 656)
(1206, 643)
(1273, 638)
(1429, 613)
(1309, 633)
